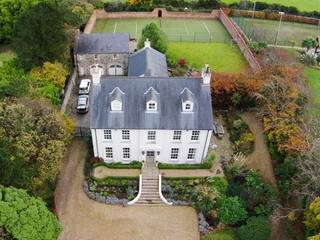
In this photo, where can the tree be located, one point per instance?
(11, 10)
(34, 136)
(256, 228)
(156, 36)
(40, 35)
(232, 211)
(55, 73)
(25, 217)
(13, 80)
(309, 43)
(140, 2)
(312, 216)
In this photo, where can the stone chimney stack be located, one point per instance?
(206, 75)
(147, 43)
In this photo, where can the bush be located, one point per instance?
(309, 43)
(232, 211)
(156, 36)
(257, 47)
(226, 234)
(119, 165)
(206, 165)
(241, 136)
(256, 228)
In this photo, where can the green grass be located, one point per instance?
(5, 54)
(220, 56)
(308, 5)
(227, 234)
(120, 165)
(198, 30)
(313, 76)
(266, 30)
(206, 165)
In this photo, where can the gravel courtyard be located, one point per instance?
(85, 219)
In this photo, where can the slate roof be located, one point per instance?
(134, 115)
(148, 62)
(102, 43)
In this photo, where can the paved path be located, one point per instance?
(102, 172)
(85, 219)
(260, 158)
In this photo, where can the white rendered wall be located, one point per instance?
(138, 143)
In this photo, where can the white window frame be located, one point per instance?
(153, 104)
(125, 135)
(116, 105)
(191, 154)
(177, 135)
(125, 153)
(174, 155)
(187, 106)
(109, 153)
(195, 135)
(107, 135)
(151, 136)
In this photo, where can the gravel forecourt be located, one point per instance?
(85, 219)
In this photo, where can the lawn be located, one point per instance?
(313, 76)
(194, 30)
(220, 56)
(221, 235)
(5, 54)
(308, 5)
(266, 30)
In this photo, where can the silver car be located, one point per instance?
(84, 87)
(83, 104)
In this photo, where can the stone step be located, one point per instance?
(148, 200)
(150, 194)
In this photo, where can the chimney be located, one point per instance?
(147, 43)
(206, 75)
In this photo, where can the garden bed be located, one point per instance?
(112, 190)
(206, 165)
(119, 165)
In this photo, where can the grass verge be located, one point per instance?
(206, 165)
(119, 165)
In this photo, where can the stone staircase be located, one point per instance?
(150, 191)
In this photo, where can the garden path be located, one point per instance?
(102, 172)
(260, 159)
(85, 219)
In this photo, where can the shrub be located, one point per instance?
(206, 165)
(257, 47)
(156, 36)
(309, 43)
(226, 234)
(256, 228)
(232, 211)
(119, 165)
(204, 197)
(241, 136)
(182, 62)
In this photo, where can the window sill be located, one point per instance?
(194, 142)
(125, 141)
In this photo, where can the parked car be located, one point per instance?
(84, 87)
(83, 104)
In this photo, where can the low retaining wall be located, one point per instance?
(238, 37)
(71, 83)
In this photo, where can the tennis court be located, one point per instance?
(290, 34)
(195, 30)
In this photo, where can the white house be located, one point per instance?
(150, 114)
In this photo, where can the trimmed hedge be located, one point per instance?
(119, 165)
(206, 165)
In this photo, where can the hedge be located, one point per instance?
(206, 165)
(120, 165)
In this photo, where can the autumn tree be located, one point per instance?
(312, 218)
(34, 137)
(25, 217)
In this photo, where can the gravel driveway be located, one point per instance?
(84, 219)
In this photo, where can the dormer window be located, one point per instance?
(116, 105)
(116, 99)
(152, 100)
(187, 100)
(151, 106)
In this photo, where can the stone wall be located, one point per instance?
(238, 37)
(101, 14)
(84, 62)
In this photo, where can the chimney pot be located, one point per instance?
(206, 75)
(147, 43)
